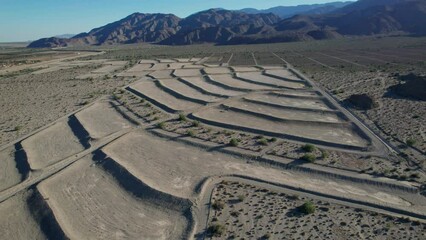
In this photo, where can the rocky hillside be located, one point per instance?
(361, 18)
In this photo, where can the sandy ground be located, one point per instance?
(9, 175)
(101, 120)
(90, 204)
(51, 145)
(29, 101)
(142, 155)
(16, 220)
(209, 87)
(257, 213)
(137, 183)
(150, 90)
(311, 132)
(260, 78)
(185, 90)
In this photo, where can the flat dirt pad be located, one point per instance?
(9, 174)
(291, 102)
(186, 90)
(150, 90)
(207, 86)
(228, 80)
(90, 204)
(282, 73)
(180, 169)
(101, 119)
(51, 145)
(329, 134)
(287, 113)
(217, 70)
(16, 221)
(259, 77)
(187, 72)
(161, 74)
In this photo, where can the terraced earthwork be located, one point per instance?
(186, 152)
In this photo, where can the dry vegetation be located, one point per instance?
(244, 211)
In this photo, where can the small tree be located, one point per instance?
(307, 208)
(308, 148)
(182, 117)
(309, 157)
(216, 230)
(411, 142)
(233, 142)
(218, 205)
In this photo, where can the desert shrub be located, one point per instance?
(267, 236)
(273, 139)
(190, 133)
(410, 142)
(307, 208)
(324, 154)
(308, 148)
(17, 128)
(216, 230)
(161, 125)
(309, 157)
(195, 123)
(218, 205)
(263, 141)
(182, 117)
(233, 142)
(241, 198)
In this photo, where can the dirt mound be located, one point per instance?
(411, 86)
(362, 101)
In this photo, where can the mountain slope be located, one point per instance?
(362, 18)
(290, 11)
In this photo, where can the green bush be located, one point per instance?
(309, 157)
(307, 208)
(241, 198)
(411, 142)
(263, 141)
(218, 205)
(216, 230)
(190, 133)
(233, 142)
(324, 154)
(161, 125)
(195, 123)
(308, 148)
(182, 117)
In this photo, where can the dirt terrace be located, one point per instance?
(143, 162)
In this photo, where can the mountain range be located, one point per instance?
(290, 11)
(220, 26)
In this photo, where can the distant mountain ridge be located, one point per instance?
(290, 11)
(219, 26)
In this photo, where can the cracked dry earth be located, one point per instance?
(149, 161)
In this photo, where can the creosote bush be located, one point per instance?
(216, 230)
(263, 141)
(308, 148)
(190, 133)
(182, 117)
(162, 125)
(218, 205)
(309, 157)
(233, 142)
(307, 208)
(410, 142)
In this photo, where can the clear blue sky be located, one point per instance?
(22, 20)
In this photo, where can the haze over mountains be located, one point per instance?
(247, 26)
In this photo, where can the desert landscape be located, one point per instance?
(211, 143)
(213, 120)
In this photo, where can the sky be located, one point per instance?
(25, 20)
